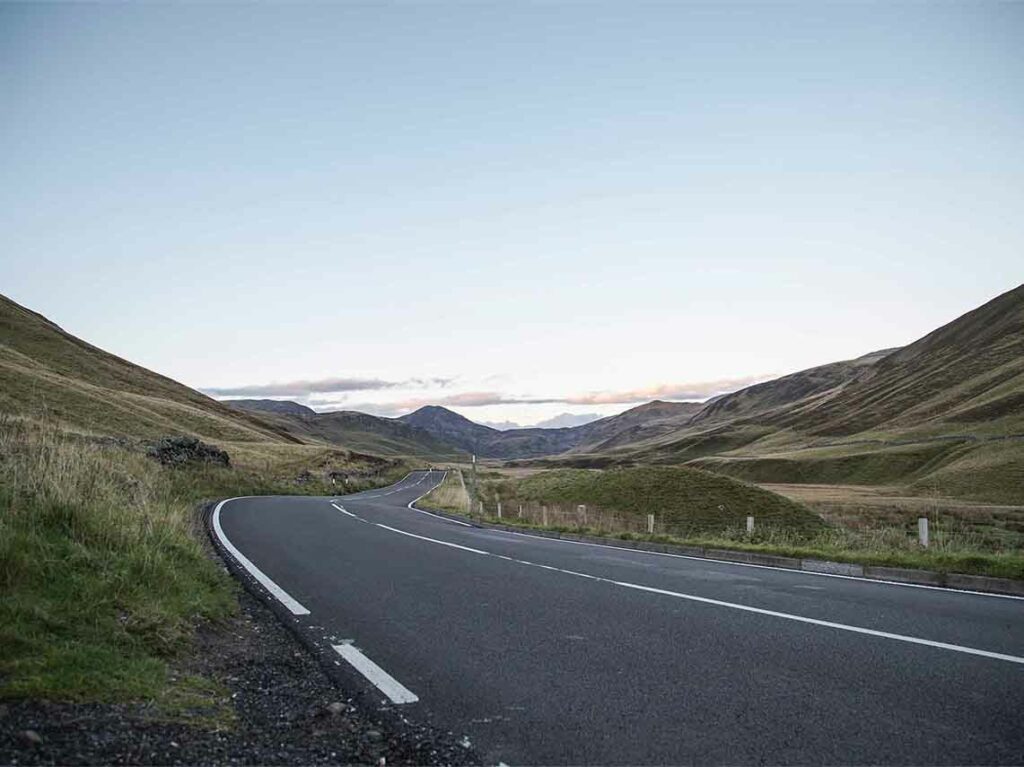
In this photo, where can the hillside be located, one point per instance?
(645, 420)
(685, 500)
(356, 431)
(944, 414)
(805, 385)
(454, 429)
(46, 373)
(968, 373)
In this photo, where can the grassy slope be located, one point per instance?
(360, 431)
(688, 499)
(682, 498)
(48, 374)
(965, 380)
(103, 575)
(451, 495)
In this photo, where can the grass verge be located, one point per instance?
(697, 509)
(103, 572)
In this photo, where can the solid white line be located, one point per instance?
(816, 622)
(380, 678)
(878, 581)
(432, 514)
(282, 596)
(733, 605)
(344, 511)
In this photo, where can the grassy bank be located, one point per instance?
(451, 495)
(886, 547)
(695, 508)
(103, 573)
(683, 500)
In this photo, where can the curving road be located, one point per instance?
(542, 651)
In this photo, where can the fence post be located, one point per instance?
(499, 509)
(922, 531)
(650, 524)
(544, 515)
(750, 524)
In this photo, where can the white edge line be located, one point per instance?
(946, 589)
(345, 511)
(282, 596)
(432, 514)
(377, 676)
(732, 605)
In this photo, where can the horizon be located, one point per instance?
(515, 213)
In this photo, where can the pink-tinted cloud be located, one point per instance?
(697, 391)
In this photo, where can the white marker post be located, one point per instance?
(650, 524)
(922, 531)
(544, 515)
(499, 509)
(520, 511)
(583, 513)
(750, 524)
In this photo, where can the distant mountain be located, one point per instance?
(47, 373)
(567, 420)
(502, 425)
(636, 424)
(454, 429)
(451, 428)
(353, 430)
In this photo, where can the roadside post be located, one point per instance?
(582, 509)
(750, 524)
(650, 524)
(544, 515)
(499, 509)
(922, 531)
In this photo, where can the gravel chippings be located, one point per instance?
(287, 710)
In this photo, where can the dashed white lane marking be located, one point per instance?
(378, 677)
(731, 605)
(280, 594)
(434, 540)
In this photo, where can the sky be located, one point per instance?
(518, 210)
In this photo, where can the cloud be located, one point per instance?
(698, 391)
(307, 388)
(302, 388)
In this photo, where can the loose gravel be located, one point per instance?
(283, 709)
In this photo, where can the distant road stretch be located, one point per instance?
(542, 651)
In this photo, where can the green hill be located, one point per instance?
(48, 374)
(685, 500)
(356, 431)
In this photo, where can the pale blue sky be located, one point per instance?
(579, 204)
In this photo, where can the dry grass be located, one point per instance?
(103, 570)
(451, 495)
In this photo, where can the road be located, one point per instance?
(542, 651)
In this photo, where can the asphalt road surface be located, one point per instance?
(541, 651)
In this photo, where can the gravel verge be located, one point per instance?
(284, 708)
